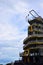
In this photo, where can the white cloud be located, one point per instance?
(21, 7)
(41, 4)
(7, 32)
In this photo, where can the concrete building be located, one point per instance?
(33, 44)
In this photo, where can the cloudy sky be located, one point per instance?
(13, 26)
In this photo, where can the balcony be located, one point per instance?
(38, 29)
(35, 29)
(33, 44)
(32, 37)
(23, 54)
(36, 35)
(39, 25)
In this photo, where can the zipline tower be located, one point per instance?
(33, 44)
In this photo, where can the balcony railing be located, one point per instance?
(26, 40)
(23, 54)
(31, 43)
(38, 35)
(39, 25)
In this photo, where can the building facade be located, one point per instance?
(33, 44)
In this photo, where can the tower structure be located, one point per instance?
(33, 44)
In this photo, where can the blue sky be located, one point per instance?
(13, 26)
